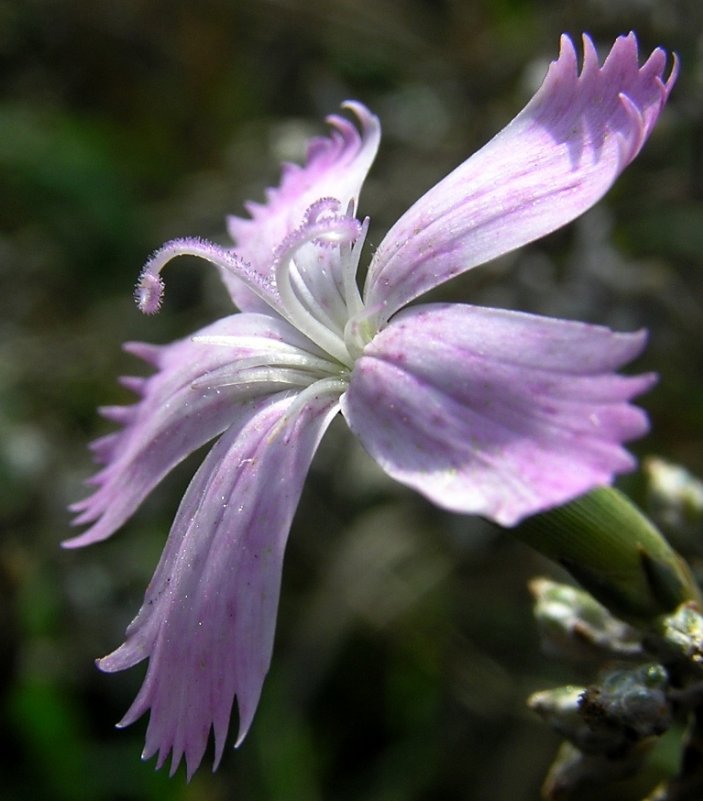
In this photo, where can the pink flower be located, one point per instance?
(483, 411)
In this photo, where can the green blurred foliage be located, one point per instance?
(405, 645)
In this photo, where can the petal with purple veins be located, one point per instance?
(179, 410)
(493, 412)
(208, 618)
(549, 165)
(336, 167)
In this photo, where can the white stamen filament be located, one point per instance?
(308, 299)
(337, 229)
(350, 255)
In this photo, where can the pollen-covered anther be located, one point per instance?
(149, 292)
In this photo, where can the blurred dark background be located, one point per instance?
(405, 645)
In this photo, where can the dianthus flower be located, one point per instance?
(484, 411)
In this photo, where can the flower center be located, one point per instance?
(311, 284)
(315, 272)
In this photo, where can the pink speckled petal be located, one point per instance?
(176, 413)
(208, 618)
(549, 165)
(336, 167)
(495, 412)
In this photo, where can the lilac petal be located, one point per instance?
(336, 168)
(549, 165)
(493, 412)
(176, 414)
(208, 618)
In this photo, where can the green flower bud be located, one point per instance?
(615, 553)
(573, 624)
